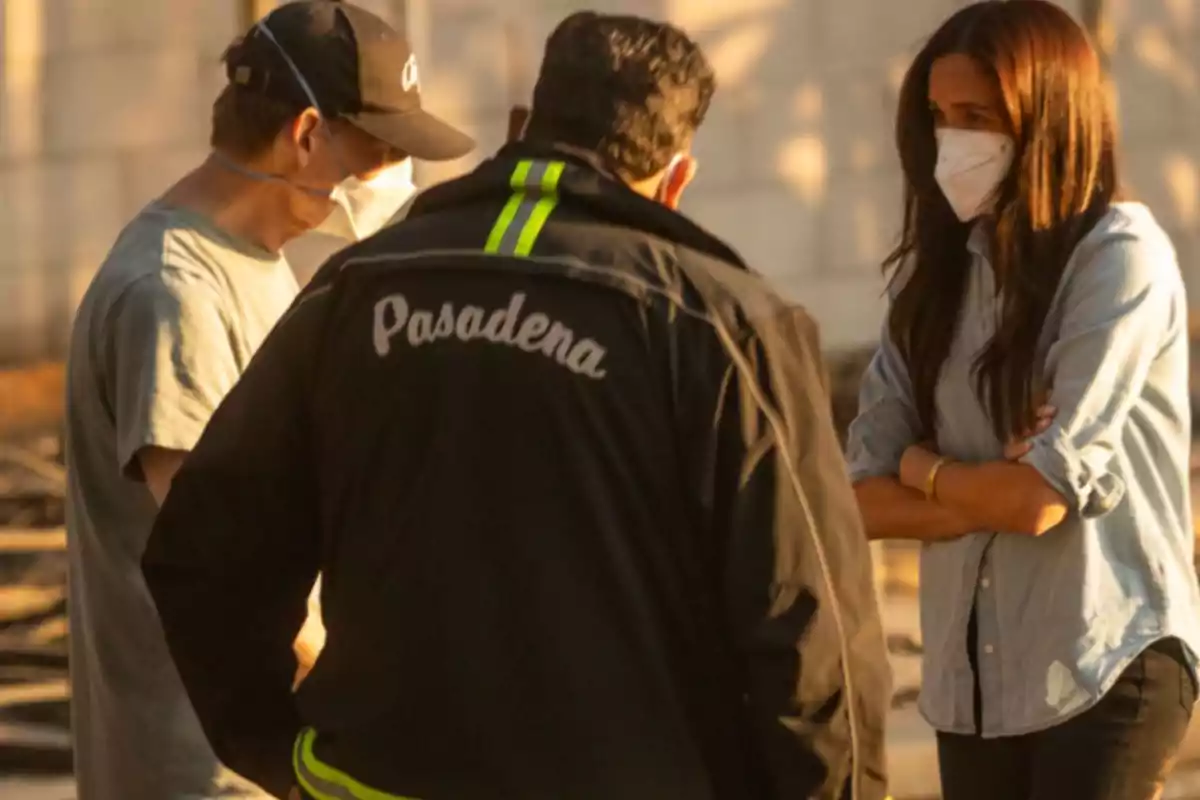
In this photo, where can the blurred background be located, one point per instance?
(104, 103)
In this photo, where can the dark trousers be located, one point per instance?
(1120, 749)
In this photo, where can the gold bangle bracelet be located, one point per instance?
(931, 479)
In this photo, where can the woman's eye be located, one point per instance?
(981, 119)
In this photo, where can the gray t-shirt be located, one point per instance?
(168, 324)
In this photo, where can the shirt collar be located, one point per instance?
(978, 240)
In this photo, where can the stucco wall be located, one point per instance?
(104, 102)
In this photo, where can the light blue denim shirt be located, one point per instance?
(1062, 615)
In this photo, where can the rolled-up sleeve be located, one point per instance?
(887, 421)
(1121, 304)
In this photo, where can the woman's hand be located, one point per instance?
(916, 464)
(1018, 446)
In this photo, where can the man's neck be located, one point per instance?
(246, 208)
(646, 188)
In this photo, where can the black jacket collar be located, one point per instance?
(584, 186)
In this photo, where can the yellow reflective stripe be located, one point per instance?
(326, 783)
(541, 211)
(501, 226)
(517, 181)
(535, 196)
(521, 174)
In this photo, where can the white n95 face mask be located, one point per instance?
(365, 207)
(970, 167)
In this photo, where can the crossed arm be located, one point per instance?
(991, 495)
(1119, 309)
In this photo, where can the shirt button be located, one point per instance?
(987, 648)
(985, 583)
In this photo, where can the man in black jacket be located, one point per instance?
(567, 467)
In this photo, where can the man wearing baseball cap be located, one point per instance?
(315, 129)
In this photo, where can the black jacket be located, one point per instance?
(568, 469)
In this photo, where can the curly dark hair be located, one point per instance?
(631, 90)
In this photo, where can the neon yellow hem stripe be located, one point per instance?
(306, 763)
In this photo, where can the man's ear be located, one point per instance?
(303, 131)
(676, 180)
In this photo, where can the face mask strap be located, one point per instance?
(308, 92)
(261, 25)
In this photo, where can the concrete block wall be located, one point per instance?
(1156, 65)
(104, 102)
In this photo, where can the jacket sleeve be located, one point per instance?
(234, 552)
(800, 602)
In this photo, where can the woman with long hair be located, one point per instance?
(1026, 418)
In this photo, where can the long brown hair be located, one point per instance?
(1064, 176)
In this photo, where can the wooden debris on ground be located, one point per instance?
(34, 690)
